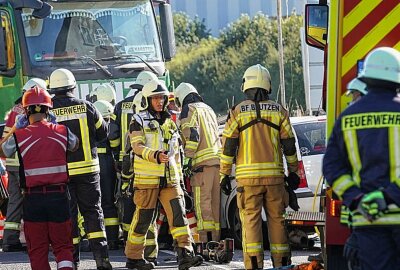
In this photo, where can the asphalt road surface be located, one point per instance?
(166, 260)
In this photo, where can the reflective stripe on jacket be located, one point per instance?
(83, 119)
(258, 147)
(363, 153)
(199, 127)
(42, 147)
(148, 137)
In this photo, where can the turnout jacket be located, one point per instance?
(199, 127)
(256, 139)
(83, 119)
(148, 137)
(363, 153)
(119, 127)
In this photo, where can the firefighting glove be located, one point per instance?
(350, 252)
(21, 121)
(2, 168)
(372, 205)
(293, 203)
(293, 180)
(52, 118)
(187, 167)
(225, 184)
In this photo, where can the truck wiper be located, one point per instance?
(104, 69)
(127, 56)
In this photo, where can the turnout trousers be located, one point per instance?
(207, 201)
(108, 179)
(12, 225)
(47, 222)
(151, 248)
(379, 247)
(250, 200)
(146, 200)
(85, 194)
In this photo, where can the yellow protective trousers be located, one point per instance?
(171, 199)
(250, 200)
(207, 201)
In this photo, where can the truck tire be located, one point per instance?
(334, 259)
(236, 227)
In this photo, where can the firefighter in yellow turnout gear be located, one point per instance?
(201, 142)
(157, 174)
(256, 132)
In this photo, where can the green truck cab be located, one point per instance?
(100, 41)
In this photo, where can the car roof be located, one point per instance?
(307, 119)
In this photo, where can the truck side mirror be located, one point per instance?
(167, 31)
(316, 25)
(3, 51)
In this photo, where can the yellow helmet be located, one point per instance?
(103, 92)
(182, 91)
(104, 107)
(256, 76)
(62, 79)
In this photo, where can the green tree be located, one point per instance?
(216, 66)
(188, 31)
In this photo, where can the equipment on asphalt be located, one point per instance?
(219, 252)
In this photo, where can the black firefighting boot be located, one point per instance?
(139, 264)
(187, 259)
(103, 264)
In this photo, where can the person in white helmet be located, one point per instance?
(85, 121)
(120, 144)
(199, 127)
(257, 134)
(157, 176)
(361, 162)
(12, 226)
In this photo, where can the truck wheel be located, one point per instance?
(334, 258)
(236, 227)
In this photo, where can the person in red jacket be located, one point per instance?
(42, 148)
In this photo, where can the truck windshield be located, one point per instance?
(102, 30)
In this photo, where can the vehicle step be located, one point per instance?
(305, 216)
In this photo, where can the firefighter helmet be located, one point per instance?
(256, 76)
(62, 80)
(34, 82)
(103, 92)
(356, 85)
(37, 96)
(182, 91)
(153, 88)
(382, 64)
(143, 78)
(104, 107)
(137, 100)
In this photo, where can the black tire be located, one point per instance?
(334, 259)
(236, 227)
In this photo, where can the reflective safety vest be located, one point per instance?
(42, 147)
(199, 127)
(82, 118)
(149, 140)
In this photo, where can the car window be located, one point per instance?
(311, 138)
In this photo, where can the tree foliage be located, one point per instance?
(215, 66)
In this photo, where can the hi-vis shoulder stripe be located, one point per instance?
(70, 113)
(366, 25)
(371, 120)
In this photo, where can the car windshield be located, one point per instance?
(311, 137)
(110, 31)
